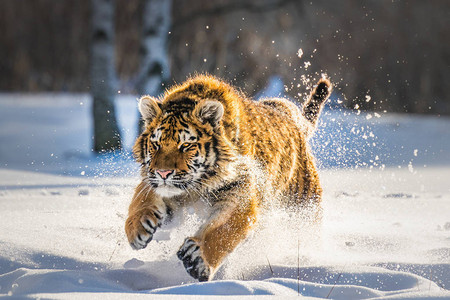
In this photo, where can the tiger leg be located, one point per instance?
(203, 253)
(146, 213)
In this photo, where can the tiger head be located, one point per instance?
(182, 146)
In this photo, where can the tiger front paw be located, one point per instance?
(141, 226)
(195, 264)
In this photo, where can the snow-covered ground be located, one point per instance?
(386, 229)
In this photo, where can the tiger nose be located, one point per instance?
(164, 173)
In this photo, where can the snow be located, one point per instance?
(385, 234)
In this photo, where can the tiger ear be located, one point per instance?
(149, 108)
(209, 111)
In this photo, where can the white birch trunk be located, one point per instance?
(103, 80)
(155, 69)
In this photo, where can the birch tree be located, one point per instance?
(103, 79)
(155, 69)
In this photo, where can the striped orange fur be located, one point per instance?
(204, 140)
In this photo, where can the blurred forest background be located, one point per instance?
(395, 51)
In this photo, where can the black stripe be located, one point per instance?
(143, 147)
(211, 173)
(207, 148)
(181, 186)
(229, 186)
(214, 148)
(214, 142)
(183, 124)
(199, 133)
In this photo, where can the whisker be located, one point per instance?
(141, 191)
(202, 197)
(148, 191)
(202, 183)
(187, 191)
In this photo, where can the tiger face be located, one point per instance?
(178, 149)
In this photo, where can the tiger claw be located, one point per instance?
(140, 231)
(195, 265)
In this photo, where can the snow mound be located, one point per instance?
(385, 233)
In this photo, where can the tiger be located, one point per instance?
(203, 140)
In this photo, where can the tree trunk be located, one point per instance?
(103, 81)
(155, 70)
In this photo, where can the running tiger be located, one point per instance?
(203, 141)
